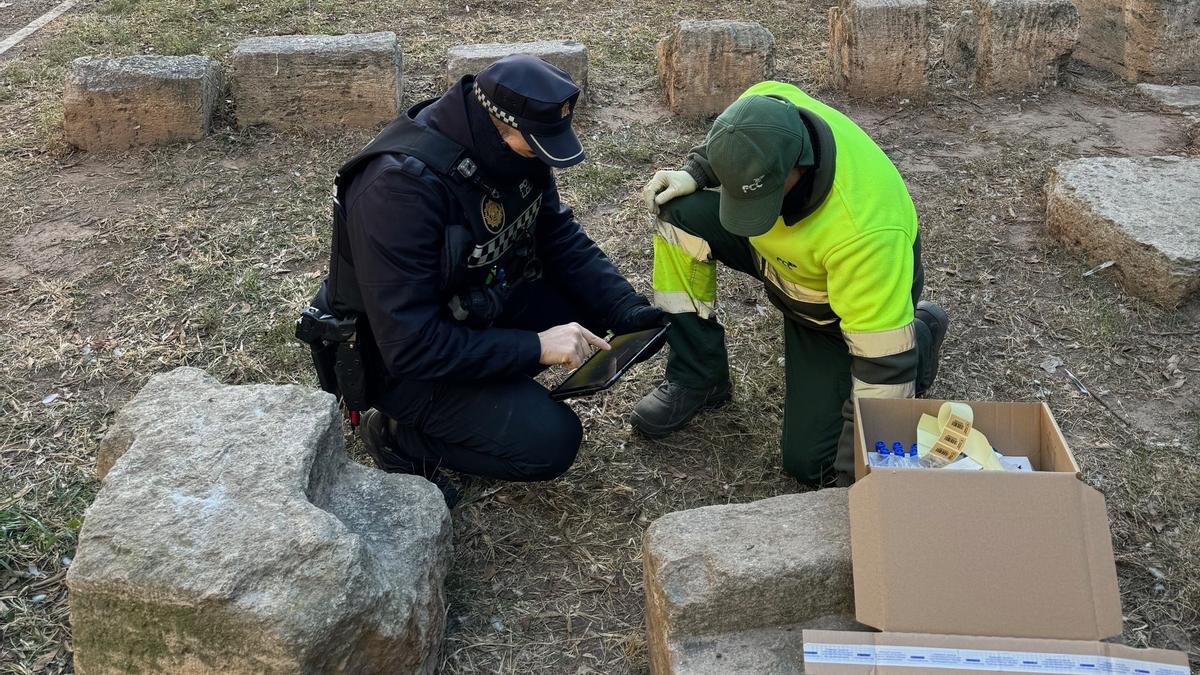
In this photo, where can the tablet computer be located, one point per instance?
(604, 368)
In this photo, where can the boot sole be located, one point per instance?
(639, 425)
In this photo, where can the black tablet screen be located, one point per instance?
(603, 367)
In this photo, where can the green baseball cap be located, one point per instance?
(752, 147)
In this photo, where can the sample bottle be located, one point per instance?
(883, 455)
(913, 459)
(898, 459)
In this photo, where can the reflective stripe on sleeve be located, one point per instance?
(868, 390)
(882, 343)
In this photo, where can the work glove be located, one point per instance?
(641, 316)
(665, 186)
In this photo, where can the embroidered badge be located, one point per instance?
(525, 188)
(493, 215)
(754, 185)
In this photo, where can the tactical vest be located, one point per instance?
(485, 254)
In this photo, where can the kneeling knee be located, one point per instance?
(554, 448)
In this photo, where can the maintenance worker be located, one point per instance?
(807, 203)
(457, 273)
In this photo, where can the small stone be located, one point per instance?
(705, 65)
(317, 81)
(1140, 213)
(1182, 97)
(115, 104)
(566, 55)
(233, 534)
(879, 48)
(726, 569)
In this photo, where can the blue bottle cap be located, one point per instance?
(898, 448)
(912, 452)
(880, 446)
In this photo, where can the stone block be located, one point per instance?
(960, 41)
(1140, 213)
(719, 570)
(776, 650)
(233, 534)
(566, 55)
(1020, 45)
(705, 65)
(317, 81)
(1142, 40)
(1183, 97)
(112, 104)
(879, 48)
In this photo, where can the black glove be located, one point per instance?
(642, 316)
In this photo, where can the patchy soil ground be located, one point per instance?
(117, 267)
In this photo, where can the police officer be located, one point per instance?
(806, 202)
(465, 274)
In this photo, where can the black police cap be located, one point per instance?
(536, 99)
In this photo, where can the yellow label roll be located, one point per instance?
(950, 435)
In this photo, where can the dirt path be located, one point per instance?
(123, 266)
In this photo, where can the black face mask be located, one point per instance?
(496, 159)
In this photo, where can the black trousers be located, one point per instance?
(505, 429)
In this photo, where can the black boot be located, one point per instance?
(935, 319)
(670, 406)
(380, 444)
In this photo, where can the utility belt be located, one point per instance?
(337, 357)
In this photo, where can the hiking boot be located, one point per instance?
(381, 445)
(670, 406)
(934, 317)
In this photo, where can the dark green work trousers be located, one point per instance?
(817, 417)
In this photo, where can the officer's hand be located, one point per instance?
(640, 317)
(568, 345)
(665, 186)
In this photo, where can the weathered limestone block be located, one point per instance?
(234, 535)
(1183, 97)
(1142, 40)
(1141, 213)
(777, 650)
(879, 48)
(1023, 44)
(315, 81)
(1012, 45)
(717, 570)
(705, 65)
(566, 55)
(112, 104)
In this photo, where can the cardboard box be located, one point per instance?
(856, 653)
(1003, 554)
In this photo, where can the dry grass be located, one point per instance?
(118, 267)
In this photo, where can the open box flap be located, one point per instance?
(858, 653)
(983, 553)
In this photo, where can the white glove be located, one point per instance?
(665, 186)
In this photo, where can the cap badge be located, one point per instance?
(754, 184)
(493, 214)
(566, 109)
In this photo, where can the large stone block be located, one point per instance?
(566, 55)
(1012, 45)
(776, 650)
(315, 81)
(111, 104)
(705, 65)
(1142, 40)
(1023, 44)
(879, 48)
(1183, 97)
(723, 570)
(234, 535)
(1141, 213)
